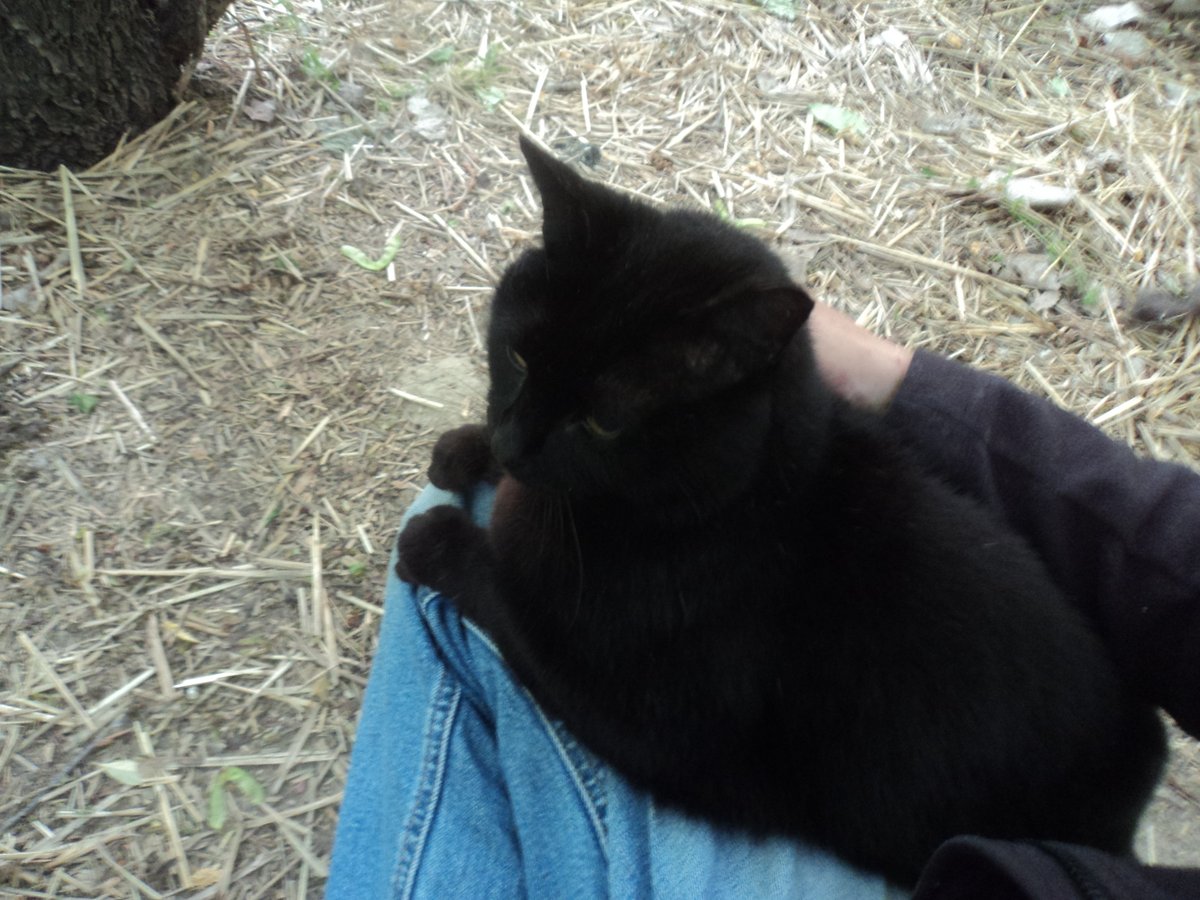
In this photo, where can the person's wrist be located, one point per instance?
(858, 365)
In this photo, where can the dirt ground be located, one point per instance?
(212, 418)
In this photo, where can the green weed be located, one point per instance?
(310, 63)
(83, 403)
(1059, 248)
(479, 75)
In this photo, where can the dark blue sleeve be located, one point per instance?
(1119, 534)
(974, 868)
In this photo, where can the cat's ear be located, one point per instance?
(764, 321)
(750, 329)
(788, 304)
(576, 212)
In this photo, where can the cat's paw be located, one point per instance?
(440, 549)
(462, 458)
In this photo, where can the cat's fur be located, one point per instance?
(742, 592)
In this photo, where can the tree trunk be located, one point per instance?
(77, 74)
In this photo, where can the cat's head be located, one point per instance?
(631, 356)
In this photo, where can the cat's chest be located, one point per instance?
(506, 506)
(548, 542)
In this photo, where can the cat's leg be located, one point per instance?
(462, 457)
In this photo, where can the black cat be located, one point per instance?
(742, 592)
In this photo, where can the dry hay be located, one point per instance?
(191, 570)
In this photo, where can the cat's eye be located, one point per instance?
(517, 360)
(595, 429)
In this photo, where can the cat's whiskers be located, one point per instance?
(565, 503)
(685, 490)
(556, 527)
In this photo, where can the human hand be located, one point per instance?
(858, 365)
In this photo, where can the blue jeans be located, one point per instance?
(460, 786)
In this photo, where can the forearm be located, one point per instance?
(1120, 534)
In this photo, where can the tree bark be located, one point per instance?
(77, 74)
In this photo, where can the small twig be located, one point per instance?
(468, 249)
(72, 232)
(133, 411)
(154, 335)
(533, 98)
(413, 398)
(895, 253)
(158, 656)
(59, 685)
(312, 436)
(166, 813)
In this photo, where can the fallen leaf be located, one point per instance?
(218, 810)
(1043, 301)
(1035, 270)
(82, 402)
(1132, 46)
(660, 162)
(837, 118)
(352, 93)
(490, 97)
(126, 771)
(260, 110)
(373, 265)
(1106, 18)
(205, 877)
(942, 126)
(1038, 194)
(781, 9)
(430, 120)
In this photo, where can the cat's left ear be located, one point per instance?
(764, 319)
(800, 301)
(746, 330)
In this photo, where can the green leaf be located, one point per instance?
(218, 808)
(490, 97)
(314, 68)
(838, 119)
(1059, 87)
(244, 782)
(125, 771)
(84, 403)
(442, 55)
(781, 9)
(373, 265)
(722, 211)
(218, 811)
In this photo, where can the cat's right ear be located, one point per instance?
(570, 212)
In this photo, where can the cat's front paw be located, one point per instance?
(440, 549)
(462, 458)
